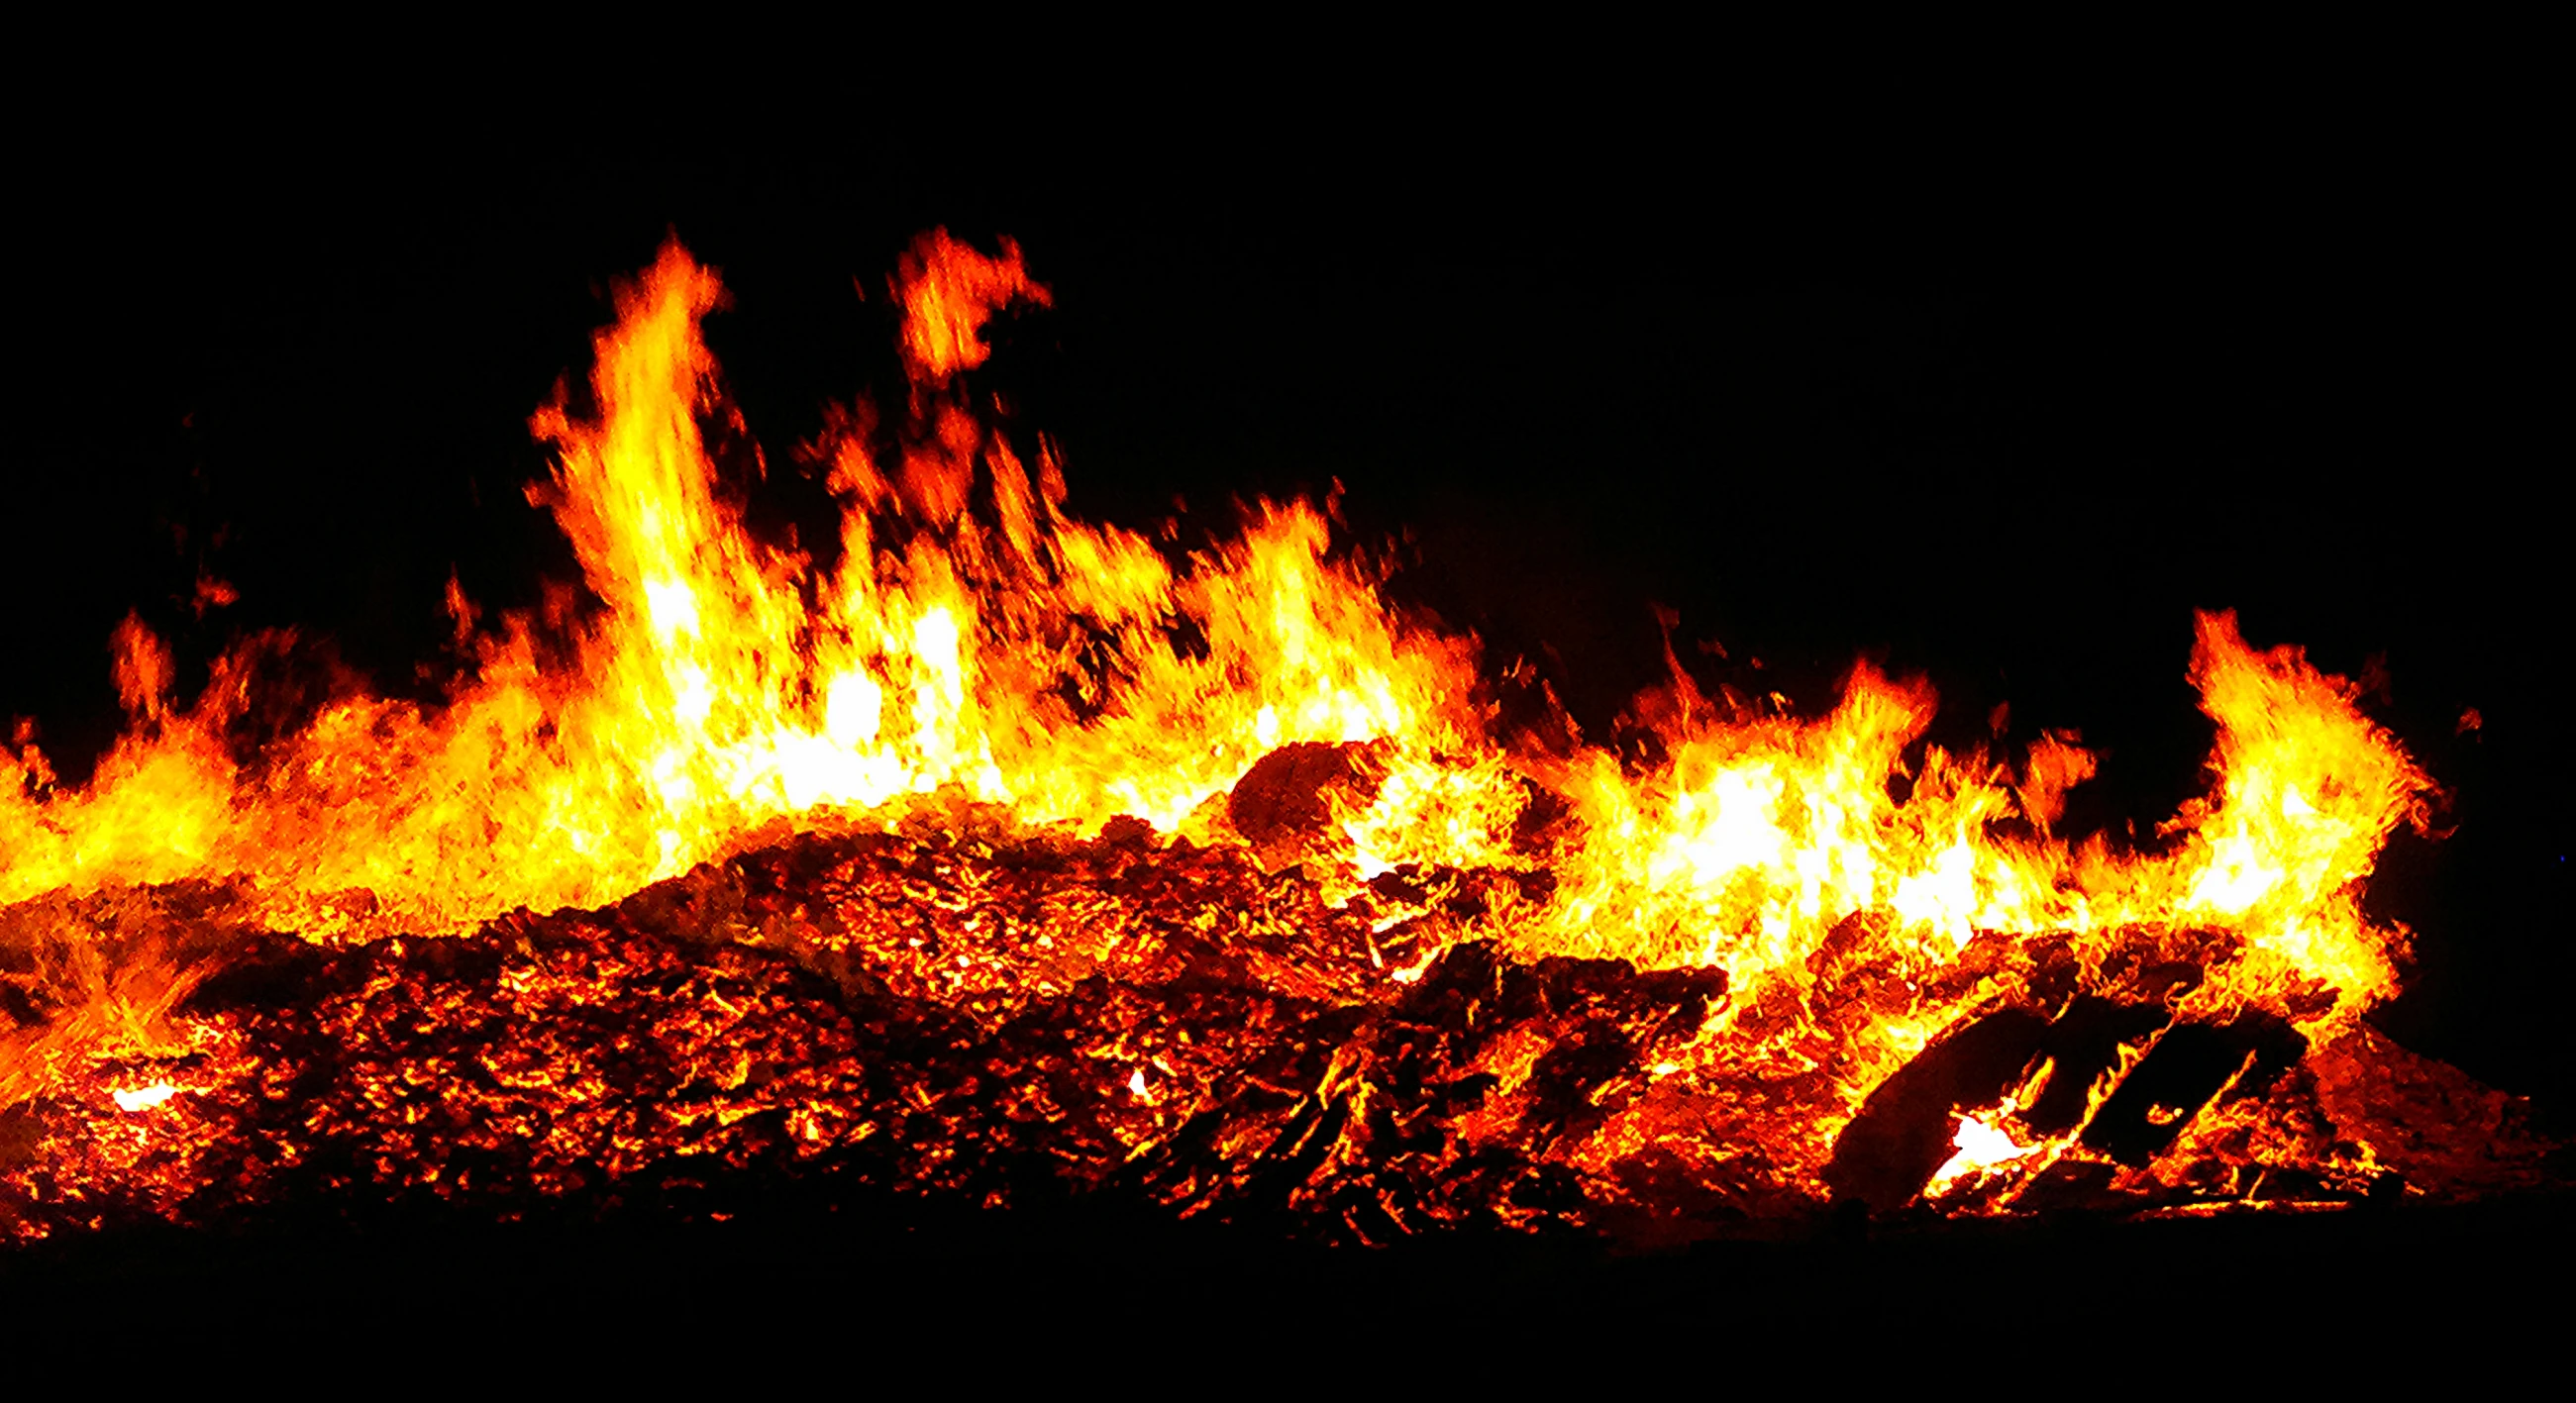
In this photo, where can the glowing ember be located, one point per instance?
(1982, 1146)
(875, 858)
(143, 1098)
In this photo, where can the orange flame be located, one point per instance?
(974, 643)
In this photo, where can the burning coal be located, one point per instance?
(997, 854)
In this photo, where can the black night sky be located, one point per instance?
(2004, 412)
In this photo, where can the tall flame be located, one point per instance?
(1003, 652)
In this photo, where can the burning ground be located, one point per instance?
(1000, 1022)
(992, 857)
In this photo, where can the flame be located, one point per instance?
(143, 1098)
(1983, 1144)
(724, 686)
(970, 643)
(1761, 835)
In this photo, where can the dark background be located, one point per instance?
(2000, 406)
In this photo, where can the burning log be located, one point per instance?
(1902, 1135)
(2190, 1064)
(1283, 805)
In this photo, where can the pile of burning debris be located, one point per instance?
(995, 857)
(988, 1018)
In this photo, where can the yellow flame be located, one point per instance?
(1982, 1145)
(143, 1098)
(972, 641)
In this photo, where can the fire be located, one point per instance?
(726, 687)
(143, 1098)
(970, 653)
(1982, 1146)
